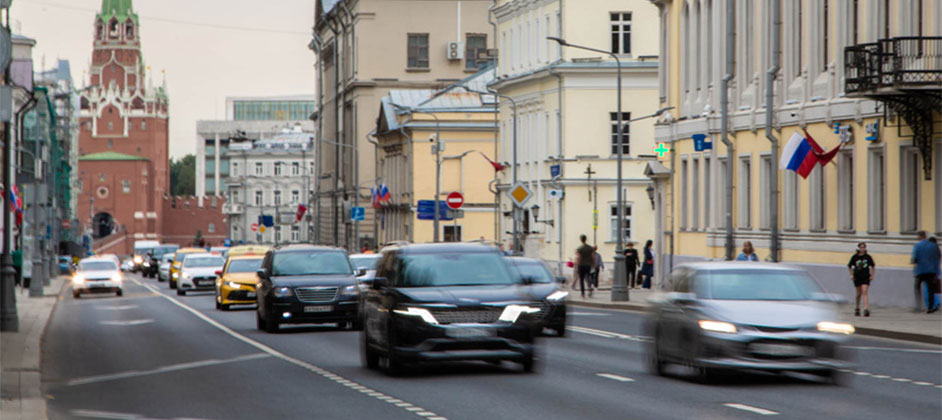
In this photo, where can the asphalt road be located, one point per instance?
(152, 354)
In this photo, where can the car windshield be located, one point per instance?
(244, 266)
(533, 270)
(203, 262)
(97, 266)
(365, 263)
(166, 258)
(756, 285)
(311, 263)
(454, 269)
(163, 250)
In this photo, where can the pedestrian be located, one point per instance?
(597, 267)
(631, 265)
(584, 264)
(862, 268)
(503, 251)
(748, 253)
(938, 276)
(926, 259)
(17, 255)
(647, 268)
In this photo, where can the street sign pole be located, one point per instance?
(9, 320)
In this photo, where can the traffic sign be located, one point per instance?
(425, 210)
(555, 170)
(519, 194)
(261, 229)
(66, 223)
(357, 213)
(254, 227)
(455, 200)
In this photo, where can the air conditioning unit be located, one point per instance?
(455, 51)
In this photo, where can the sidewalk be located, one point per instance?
(20, 355)
(886, 322)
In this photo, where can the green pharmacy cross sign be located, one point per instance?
(661, 149)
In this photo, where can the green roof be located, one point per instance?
(109, 156)
(118, 9)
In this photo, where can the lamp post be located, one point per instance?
(438, 163)
(619, 286)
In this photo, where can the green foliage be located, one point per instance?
(183, 176)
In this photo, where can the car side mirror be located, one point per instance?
(218, 272)
(379, 283)
(262, 273)
(528, 280)
(680, 298)
(360, 272)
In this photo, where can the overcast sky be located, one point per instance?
(198, 42)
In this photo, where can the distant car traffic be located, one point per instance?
(151, 263)
(747, 316)
(306, 284)
(65, 265)
(546, 287)
(446, 302)
(163, 269)
(198, 272)
(97, 275)
(236, 282)
(178, 261)
(141, 248)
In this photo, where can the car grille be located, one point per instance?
(467, 316)
(204, 281)
(544, 309)
(316, 294)
(774, 330)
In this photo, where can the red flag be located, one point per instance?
(497, 167)
(823, 158)
(301, 210)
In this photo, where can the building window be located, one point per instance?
(695, 201)
(110, 143)
(765, 192)
(451, 233)
(277, 168)
(101, 177)
(845, 191)
(621, 32)
(295, 196)
(110, 126)
(295, 233)
(418, 51)
(910, 168)
(277, 234)
(258, 169)
(295, 168)
(143, 125)
(126, 185)
(277, 196)
(626, 132)
(475, 46)
(211, 228)
(235, 169)
(258, 198)
(684, 180)
(825, 17)
(235, 195)
(790, 198)
(876, 200)
(721, 193)
(626, 224)
(816, 185)
(745, 192)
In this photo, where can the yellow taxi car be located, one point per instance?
(178, 261)
(240, 250)
(235, 284)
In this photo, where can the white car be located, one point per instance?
(198, 272)
(97, 275)
(163, 270)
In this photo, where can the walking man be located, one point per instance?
(926, 258)
(597, 267)
(862, 268)
(584, 262)
(631, 264)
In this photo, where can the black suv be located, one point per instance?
(151, 264)
(444, 302)
(306, 284)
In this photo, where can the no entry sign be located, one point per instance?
(455, 200)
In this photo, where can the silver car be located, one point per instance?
(163, 270)
(198, 272)
(747, 316)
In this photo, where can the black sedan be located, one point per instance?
(546, 287)
(447, 302)
(306, 284)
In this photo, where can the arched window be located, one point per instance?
(98, 30)
(113, 28)
(129, 30)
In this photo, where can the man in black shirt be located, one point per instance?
(585, 262)
(861, 268)
(631, 264)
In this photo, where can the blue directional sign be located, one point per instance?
(265, 220)
(425, 210)
(357, 214)
(700, 143)
(555, 170)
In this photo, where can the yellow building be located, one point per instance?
(410, 125)
(566, 121)
(844, 73)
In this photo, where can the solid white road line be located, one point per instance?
(117, 308)
(902, 350)
(163, 369)
(589, 314)
(750, 408)
(128, 322)
(312, 368)
(607, 334)
(95, 414)
(615, 377)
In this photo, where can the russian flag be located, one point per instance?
(384, 193)
(802, 153)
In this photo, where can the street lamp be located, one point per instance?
(650, 191)
(535, 211)
(619, 286)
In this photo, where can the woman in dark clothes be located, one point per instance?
(647, 268)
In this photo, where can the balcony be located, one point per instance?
(894, 66)
(232, 208)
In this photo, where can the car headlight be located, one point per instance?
(282, 292)
(138, 259)
(186, 276)
(558, 295)
(78, 279)
(512, 312)
(717, 326)
(349, 291)
(116, 278)
(233, 285)
(836, 327)
(176, 275)
(146, 264)
(419, 312)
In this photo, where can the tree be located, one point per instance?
(183, 176)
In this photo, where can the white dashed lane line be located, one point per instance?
(312, 368)
(752, 409)
(901, 380)
(615, 377)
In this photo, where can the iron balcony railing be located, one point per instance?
(912, 62)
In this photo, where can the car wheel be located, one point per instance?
(834, 377)
(528, 364)
(656, 363)
(223, 307)
(357, 324)
(394, 367)
(76, 295)
(218, 305)
(560, 330)
(272, 326)
(370, 356)
(259, 322)
(173, 284)
(119, 293)
(181, 292)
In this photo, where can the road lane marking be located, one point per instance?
(95, 414)
(128, 322)
(607, 334)
(117, 308)
(589, 314)
(615, 377)
(297, 362)
(750, 408)
(902, 350)
(163, 369)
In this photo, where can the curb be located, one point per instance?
(870, 332)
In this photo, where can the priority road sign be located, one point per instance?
(519, 194)
(455, 200)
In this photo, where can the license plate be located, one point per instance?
(779, 349)
(322, 308)
(469, 332)
(205, 283)
(250, 295)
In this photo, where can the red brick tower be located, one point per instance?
(124, 125)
